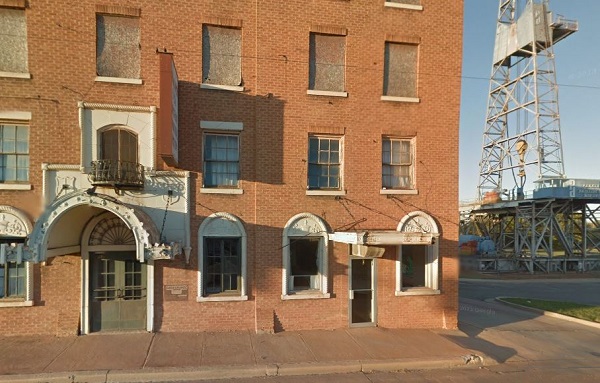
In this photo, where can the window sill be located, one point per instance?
(119, 80)
(231, 88)
(399, 191)
(221, 191)
(413, 100)
(417, 291)
(225, 298)
(326, 192)
(326, 93)
(26, 76)
(15, 186)
(9, 303)
(403, 6)
(312, 295)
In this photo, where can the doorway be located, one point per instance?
(117, 292)
(362, 298)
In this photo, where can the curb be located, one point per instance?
(548, 313)
(231, 372)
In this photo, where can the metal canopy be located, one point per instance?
(383, 237)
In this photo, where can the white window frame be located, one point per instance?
(205, 162)
(22, 119)
(222, 225)
(16, 225)
(418, 221)
(299, 226)
(326, 191)
(412, 189)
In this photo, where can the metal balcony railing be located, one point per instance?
(118, 174)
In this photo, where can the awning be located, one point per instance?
(383, 237)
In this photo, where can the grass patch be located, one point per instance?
(576, 310)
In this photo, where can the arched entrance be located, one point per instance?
(115, 287)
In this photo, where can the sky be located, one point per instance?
(577, 61)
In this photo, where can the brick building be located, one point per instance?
(228, 165)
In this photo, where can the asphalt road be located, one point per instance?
(586, 291)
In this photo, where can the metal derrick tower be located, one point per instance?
(522, 131)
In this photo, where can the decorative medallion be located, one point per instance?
(111, 231)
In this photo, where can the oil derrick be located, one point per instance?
(522, 131)
(557, 226)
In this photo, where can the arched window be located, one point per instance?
(118, 144)
(305, 258)
(417, 265)
(222, 259)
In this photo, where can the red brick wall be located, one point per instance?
(278, 115)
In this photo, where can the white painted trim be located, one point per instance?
(221, 191)
(118, 107)
(326, 192)
(222, 125)
(299, 296)
(417, 291)
(231, 88)
(15, 186)
(403, 6)
(150, 296)
(85, 275)
(432, 256)
(401, 99)
(323, 256)
(399, 191)
(119, 80)
(24, 303)
(244, 251)
(232, 298)
(329, 93)
(15, 115)
(15, 75)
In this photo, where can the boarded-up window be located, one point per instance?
(13, 41)
(118, 48)
(221, 55)
(400, 73)
(327, 62)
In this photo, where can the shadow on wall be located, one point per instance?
(260, 133)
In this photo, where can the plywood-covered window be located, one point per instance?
(400, 72)
(118, 47)
(13, 40)
(327, 70)
(221, 55)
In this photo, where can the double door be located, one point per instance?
(117, 292)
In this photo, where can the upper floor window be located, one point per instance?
(222, 56)
(327, 69)
(14, 153)
(324, 163)
(400, 71)
(118, 144)
(221, 160)
(397, 164)
(13, 42)
(118, 47)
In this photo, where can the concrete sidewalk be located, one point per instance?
(142, 357)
